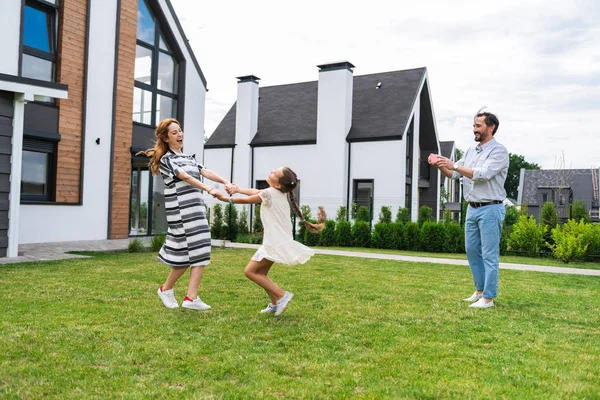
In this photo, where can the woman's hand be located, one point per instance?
(222, 196)
(231, 188)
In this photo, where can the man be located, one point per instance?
(484, 168)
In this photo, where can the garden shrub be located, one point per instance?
(257, 225)
(412, 236)
(572, 240)
(343, 234)
(397, 235)
(382, 236)
(361, 234)
(243, 221)
(455, 238)
(232, 227)
(403, 215)
(328, 233)
(579, 211)
(363, 214)
(425, 215)
(342, 214)
(311, 239)
(385, 215)
(433, 237)
(157, 241)
(216, 228)
(527, 236)
(135, 246)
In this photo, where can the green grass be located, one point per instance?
(546, 261)
(357, 328)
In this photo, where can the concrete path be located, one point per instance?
(57, 251)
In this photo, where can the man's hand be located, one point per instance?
(231, 188)
(443, 162)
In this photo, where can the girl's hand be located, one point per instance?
(222, 196)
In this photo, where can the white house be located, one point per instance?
(349, 138)
(452, 187)
(83, 84)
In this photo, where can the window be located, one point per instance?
(156, 72)
(544, 197)
(408, 197)
(409, 149)
(39, 40)
(38, 169)
(363, 193)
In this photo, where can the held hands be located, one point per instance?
(231, 188)
(218, 195)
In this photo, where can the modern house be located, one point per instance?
(452, 188)
(362, 139)
(83, 84)
(561, 186)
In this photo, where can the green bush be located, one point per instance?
(455, 238)
(412, 236)
(311, 239)
(307, 214)
(257, 226)
(157, 242)
(549, 219)
(232, 227)
(243, 221)
(425, 215)
(343, 234)
(433, 237)
(382, 236)
(526, 237)
(256, 238)
(403, 215)
(342, 214)
(579, 211)
(397, 235)
(385, 215)
(511, 216)
(572, 240)
(594, 248)
(361, 234)
(216, 229)
(328, 234)
(136, 246)
(363, 214)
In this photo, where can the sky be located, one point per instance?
(536, 64)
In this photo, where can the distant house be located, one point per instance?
(561, 186)
(362, 139)
(452, 187)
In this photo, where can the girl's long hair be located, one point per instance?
(161, 146)
(289, 182)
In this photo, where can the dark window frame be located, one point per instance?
(52, 56)
(355, 183)
(35, 142)
(156, 51)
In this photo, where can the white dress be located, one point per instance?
(278, 244)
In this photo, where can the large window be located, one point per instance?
(39, 40)
(156, 72)
(37, 170)
(363, 194)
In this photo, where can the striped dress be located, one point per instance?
(188, 237)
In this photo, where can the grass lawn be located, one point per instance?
(357, 328)
(545, 261)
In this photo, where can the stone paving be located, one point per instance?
(58, 251)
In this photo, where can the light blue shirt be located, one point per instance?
(490, 167)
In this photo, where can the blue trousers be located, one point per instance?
(482, 241)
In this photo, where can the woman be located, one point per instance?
(187, 244)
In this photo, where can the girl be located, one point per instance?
(278, 243)
(188, 237)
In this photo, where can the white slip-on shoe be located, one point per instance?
(168, 297)
(194, 304)
(482, 304)
(270, 308)
(283, 302)
(474, 297)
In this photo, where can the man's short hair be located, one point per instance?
(490, 119)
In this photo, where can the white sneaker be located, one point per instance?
(283, 302)
(482, 304)
(270, 308)
(474, 297)
(168, 298)
(194, 304)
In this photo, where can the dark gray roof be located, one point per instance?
(287, 114)
(578, 180)
(446, 148)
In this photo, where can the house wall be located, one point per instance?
(11, 37)
(6, 132)
(87, 221)
(218, 160)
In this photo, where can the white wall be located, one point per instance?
(219, 161)
(11, 36)
(53, 223)
(246, 125)
(384, 162)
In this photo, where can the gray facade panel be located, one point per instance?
(6, 116)
(41, 118)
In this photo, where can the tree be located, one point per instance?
(516, 162)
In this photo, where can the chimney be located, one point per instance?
(246, 126)
(334, 109)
